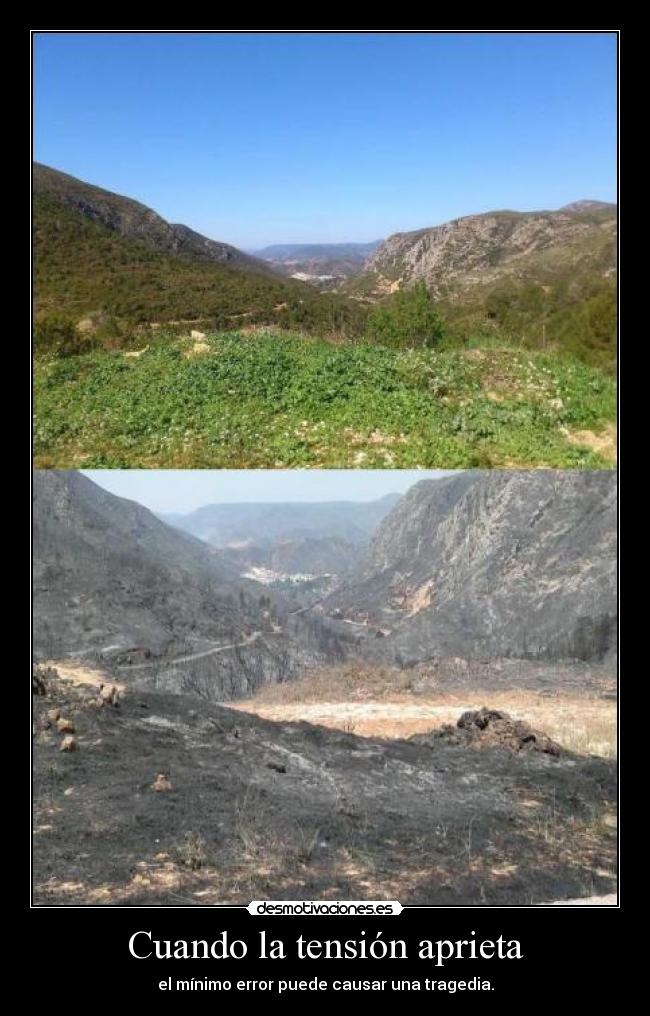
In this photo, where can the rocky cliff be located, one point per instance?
(488, 564)
(483, 248)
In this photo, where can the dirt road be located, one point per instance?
(160, 662)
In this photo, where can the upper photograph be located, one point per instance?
(348, 250)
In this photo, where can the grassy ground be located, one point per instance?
(271, 400)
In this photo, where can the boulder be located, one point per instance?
(162, 783)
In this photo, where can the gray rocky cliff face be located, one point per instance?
(490, 564)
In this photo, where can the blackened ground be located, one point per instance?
(259, 810)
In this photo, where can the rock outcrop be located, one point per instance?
(478, 249)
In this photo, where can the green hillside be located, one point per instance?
(114, 265)
(564, 298)
(540, 280)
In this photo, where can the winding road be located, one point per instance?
(196, 656)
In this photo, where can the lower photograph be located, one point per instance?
(324, 685)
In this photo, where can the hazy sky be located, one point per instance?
(264, 138)
(174, 490)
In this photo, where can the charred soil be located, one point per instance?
(169, 801)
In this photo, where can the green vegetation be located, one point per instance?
(561, 295)
(407, 320)
(84, 270)
(578, 318)
(270, 399)
(489, 375)
(107, 269)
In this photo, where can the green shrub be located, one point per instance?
(110, 333)
(56, 333)
(407, 320)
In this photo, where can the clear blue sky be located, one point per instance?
(173, 490)
(264, 138)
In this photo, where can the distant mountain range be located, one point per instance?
(325, 265)
(299, 251)
(223, 525)
(300, 548)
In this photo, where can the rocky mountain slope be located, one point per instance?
(112, 581)
(538, 279)
(481, 248)
(491, 564)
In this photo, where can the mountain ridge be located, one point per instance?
(222, 523)
(343, 248)
(440, 255)
(535, 279)
(133, 219)
(106, 264)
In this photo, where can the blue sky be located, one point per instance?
(174, 490)
(264, 138)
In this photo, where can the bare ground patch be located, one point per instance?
(376, 701)
(603, 442)
(78, 672)
(579, 724)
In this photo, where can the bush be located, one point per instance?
(110, 333)
(58, 334)
(409, 319)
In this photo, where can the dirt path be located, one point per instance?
(195, 656)
(361, 717)
(81, 673)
